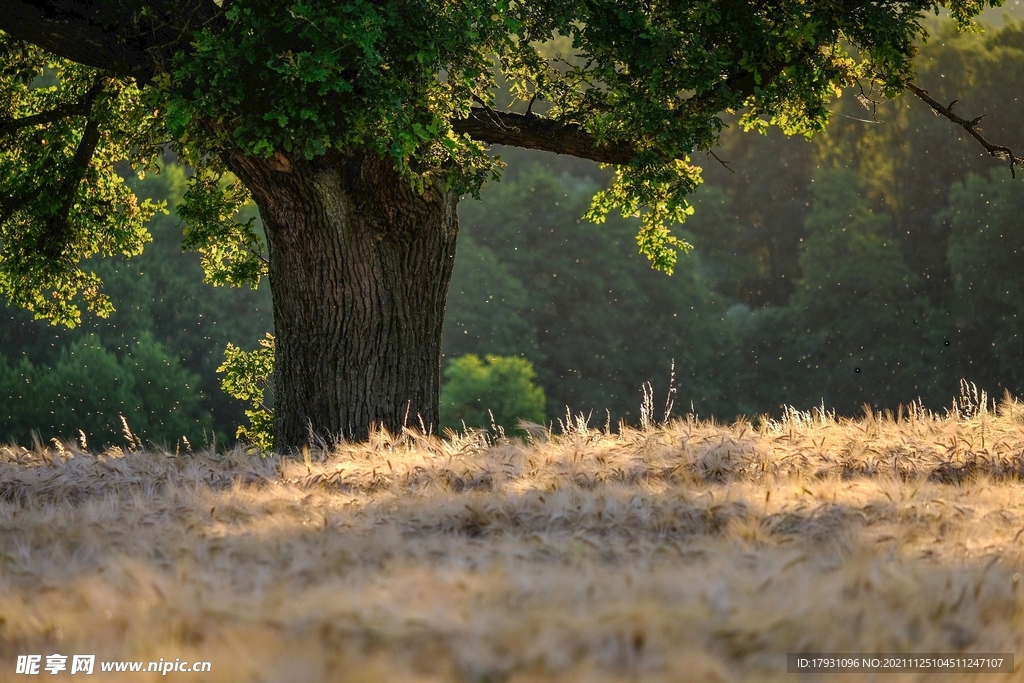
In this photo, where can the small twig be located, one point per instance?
(996, 151)
(725, 164)
(854, 118)
(868, 103)
(529, 107)
(670, 398)
(490, 112)
(308, 21)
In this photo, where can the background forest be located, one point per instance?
(876, 264)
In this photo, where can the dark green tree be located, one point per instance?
(853, 333)
(910, 158)
(160, 297)
(749, 215)
(750, 228)
(90, 387)
(356, 127)
(986, 244)
(602, 322)
(486, 306)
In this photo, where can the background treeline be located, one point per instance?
(153, 361)
(877, 264)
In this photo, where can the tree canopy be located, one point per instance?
(639, 84)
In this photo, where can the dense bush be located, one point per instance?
(496, 391)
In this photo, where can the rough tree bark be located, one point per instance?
(359, 269)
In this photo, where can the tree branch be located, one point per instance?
(997, 151)
(80, 108)
(535, 132)
(82, 155)
(54, 236)
(9, 126)
(124, 37)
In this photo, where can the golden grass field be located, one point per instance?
(685, 552)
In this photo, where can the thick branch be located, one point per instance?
(971, 126)
(54, 237)
(124, 37)
(534, 132)
(9, 126)
(80, 108)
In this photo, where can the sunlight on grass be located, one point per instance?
(688, 551)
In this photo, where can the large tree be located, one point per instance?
(356, 126)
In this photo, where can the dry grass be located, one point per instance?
(686, 552)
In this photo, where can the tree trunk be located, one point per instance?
(359, 270)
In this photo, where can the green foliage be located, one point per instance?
(302, 79)
(662, 189)
(987, 240)
(163, 290)
(600, 321)
(749, 219)
(90, 387)
(910, 160)
(846, 257)
(985, 246)
(247, 376)
(498, 390)
(159, 294)
(63, 202)
(19, 398)
(232, 251)
(722, 242)
(64, 208)
(908, 290)
(486, 306)
(853, 332)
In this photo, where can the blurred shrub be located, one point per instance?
(502, 386)
(853, 333)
